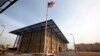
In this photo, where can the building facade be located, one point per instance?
(31, 39)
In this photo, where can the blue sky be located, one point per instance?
(80, 17)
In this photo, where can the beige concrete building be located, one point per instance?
(31, 39)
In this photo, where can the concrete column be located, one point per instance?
(15, 44)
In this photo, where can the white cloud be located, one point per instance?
(8, 20)
(83, 20)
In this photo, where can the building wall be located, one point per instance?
(32, 42)
(54, 44)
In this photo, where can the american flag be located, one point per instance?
(51, 4)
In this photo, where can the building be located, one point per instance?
(31, 39)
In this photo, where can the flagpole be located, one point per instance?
(49, 5)
(45, 48)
